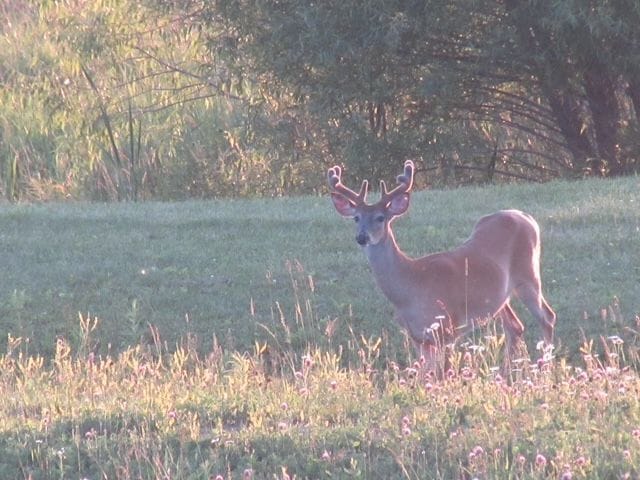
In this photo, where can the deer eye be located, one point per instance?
(356, 218)
(380, 218)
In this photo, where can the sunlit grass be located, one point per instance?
(148, 413)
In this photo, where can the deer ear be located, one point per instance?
(343, 205)
(399, 204)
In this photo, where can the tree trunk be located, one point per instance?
(566, 110)
(634, 94)
(600, 89)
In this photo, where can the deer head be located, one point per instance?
(372, 220)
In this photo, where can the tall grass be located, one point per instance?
(150, 413)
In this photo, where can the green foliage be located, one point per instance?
(179, 99)
(474, 89)
(108, 101)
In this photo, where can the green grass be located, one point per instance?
(189, 340)
(218, 268)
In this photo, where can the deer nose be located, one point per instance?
(362, 238)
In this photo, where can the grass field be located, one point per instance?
(246, 339)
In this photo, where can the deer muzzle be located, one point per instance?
(362, 238)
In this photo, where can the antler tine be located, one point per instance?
(334, 176)
(405, 182)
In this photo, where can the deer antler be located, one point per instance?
(405, 182)
(334, 175)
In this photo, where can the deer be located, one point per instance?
(442, 296)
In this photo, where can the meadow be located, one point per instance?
(246, 339)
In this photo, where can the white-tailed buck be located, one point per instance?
(441, 296)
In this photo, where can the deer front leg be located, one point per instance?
(514, 330)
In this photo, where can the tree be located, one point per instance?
(523, 88)
(585, 56)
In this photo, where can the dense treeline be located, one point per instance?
(116, 99)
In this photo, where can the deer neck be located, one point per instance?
(390, 267)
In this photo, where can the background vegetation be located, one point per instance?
(116, 99)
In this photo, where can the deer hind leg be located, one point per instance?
(530, 294)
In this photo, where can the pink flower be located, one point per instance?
(541, 461)
(308, 361)
(475, 452)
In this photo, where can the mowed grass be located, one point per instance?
(225, 269)
(246, 339)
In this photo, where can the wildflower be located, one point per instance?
(247, 474)
(308, 361)
(521, 460)
(284, 406)
(566, 475)
(333, 385)
(627, 455)
(541, 461)
(406, 431)
(406, 420)
(326, 456)
(219, 477)
(636, 433)
(467, 373)
(581, 461)
(476, 451)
